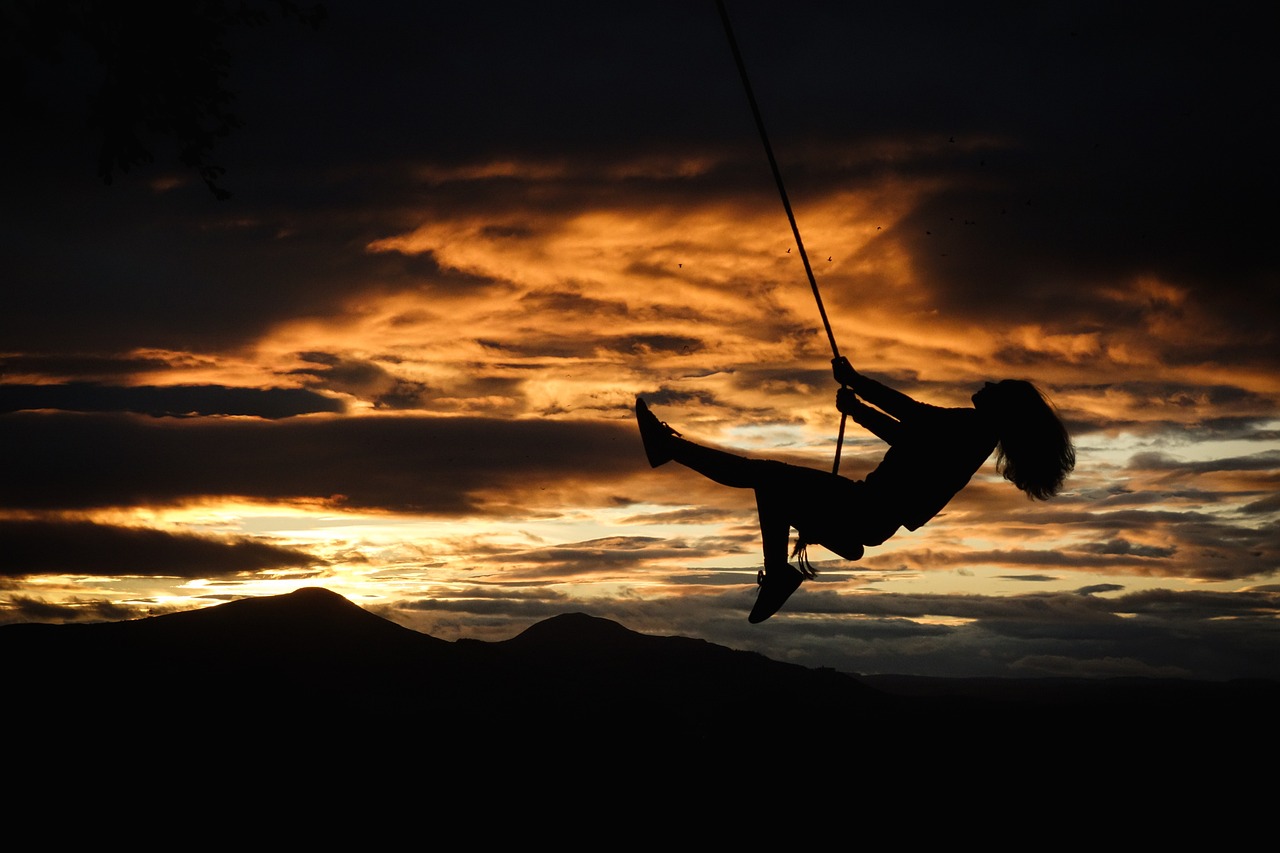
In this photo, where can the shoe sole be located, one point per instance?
(654, 434)
(773, 596)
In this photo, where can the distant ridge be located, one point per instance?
(562, 632)
(312, 621)
(306, 626)
(313, 661)
(605, 674)
(314, 651)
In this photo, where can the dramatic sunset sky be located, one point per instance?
(400, 362)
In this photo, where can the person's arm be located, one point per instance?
(874, 420)
(894, 402)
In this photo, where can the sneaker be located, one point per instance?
(776, 586)
(654, 433)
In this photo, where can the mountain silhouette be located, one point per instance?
(314, 652)
(312, 661)
(592, 674)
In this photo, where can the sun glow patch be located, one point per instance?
(764, 437)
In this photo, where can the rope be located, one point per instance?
(786, 203)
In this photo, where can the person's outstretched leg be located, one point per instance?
(662, 444)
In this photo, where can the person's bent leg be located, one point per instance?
(779, 578)
(772, 481)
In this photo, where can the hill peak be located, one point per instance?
(573, 628)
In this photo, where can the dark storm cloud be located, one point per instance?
(85, 548)
(1192, 542)
(1146, 633)
(617, 554)
(1268, 504)
(476, 608)
(1082, 143)
(169, 268)
(674, 397)
(409, 464)
(22, 608)
(365, 380)
(685, 515)
(1125, 547)
(1160, 633)
(574, 302)
(155, 273)
(1092, 143)
(1267, 460)
(1174, 533)
(548, 346)
(620, 555)
(174, 400)
(644, 344)
(1223, 412)
(84, 367)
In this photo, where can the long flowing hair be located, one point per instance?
(1035, 452)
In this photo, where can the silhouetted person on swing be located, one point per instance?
(933, 453)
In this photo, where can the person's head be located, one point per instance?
(1035, 452)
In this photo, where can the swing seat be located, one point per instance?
(851, 551)
(839, 519)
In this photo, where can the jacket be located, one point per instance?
(933, 451)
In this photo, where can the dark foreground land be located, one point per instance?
(296, 674)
